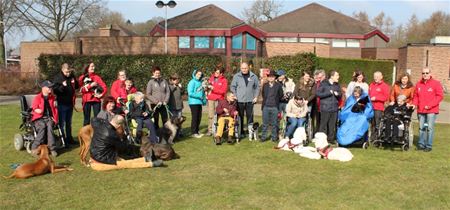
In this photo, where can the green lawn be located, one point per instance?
(244, 176)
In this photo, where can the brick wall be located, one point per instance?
(277, 48)
(29, 51)
(401, 62)
(127, 45)
(416, 60)
(369, 53)
(345, 52)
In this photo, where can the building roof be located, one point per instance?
(315, 18)
(207, 17)
(122, 31)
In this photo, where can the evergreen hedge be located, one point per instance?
(139, 67)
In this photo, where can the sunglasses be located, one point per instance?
(423, 73)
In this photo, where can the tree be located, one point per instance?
(10, 21)
(362, 16)
(413, 30)
(262, 11)
(378, 21)
(436, 24)
(388, 26)
(143, 28)
(55, 19)
(398, 38)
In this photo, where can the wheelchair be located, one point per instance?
(26, 137)
(404, 138)
(307, 124)
(236, 127)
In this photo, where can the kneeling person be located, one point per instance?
(142, 114)
(226, 111)
(106, 146)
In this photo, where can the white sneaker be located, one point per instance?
(197, 135)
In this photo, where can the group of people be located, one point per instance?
(314, 96)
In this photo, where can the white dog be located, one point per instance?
(296, 144)
(327, 152)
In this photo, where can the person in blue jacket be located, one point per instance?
(196, 99)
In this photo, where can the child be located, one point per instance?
(226, 110)
(175, 99)
(395, 115)
(296, 111)
(140, 112)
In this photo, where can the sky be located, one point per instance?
(142, 10)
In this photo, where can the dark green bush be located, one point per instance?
(138, 67)
(293, 65)
(346, 67)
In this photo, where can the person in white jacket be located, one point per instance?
(288, 89)
(359, 79)
(296, 111)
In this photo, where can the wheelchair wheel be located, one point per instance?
(377, 143)
(18, 142)
(410, 134)
(405, 147)
(309, 130)
(28, 146)
(365, 145)
(237, 129)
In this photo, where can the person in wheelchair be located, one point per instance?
(140, 112)
(394, 117)
(226, 111)
(296, 111)
(44, 118)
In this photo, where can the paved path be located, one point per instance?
(443, 117)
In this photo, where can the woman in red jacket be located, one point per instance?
(219, 87)
(118, 86)
(92, 90)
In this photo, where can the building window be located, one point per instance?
(307, 40)
(275, 39)
(201, 42)
(251, 42)
(338, 43)
(184, 42)
(353, 43)
(219, 42)
(322, 40)
(290, 39)
(237, 41)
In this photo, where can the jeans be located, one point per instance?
(65, 113)
(247, 108)
(196, 111)
(270, 117)
(211, 112)
(282, 107)
(87, 111)
(293, 124)
(426, 138)
(150, 126)
(44, 131)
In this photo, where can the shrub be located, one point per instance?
(138, 67)
(346, 67)
(293, 65)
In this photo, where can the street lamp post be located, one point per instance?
(161, 4)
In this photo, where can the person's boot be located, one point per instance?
(230, 140)
(138, 137)
(218, 140)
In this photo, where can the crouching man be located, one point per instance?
(106, 146)
(226, 111)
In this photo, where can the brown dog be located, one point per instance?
(42, 166)
(160, 151)
(85, 137)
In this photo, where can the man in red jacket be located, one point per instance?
(219, 87)
(44, 117)
(426, 99)
(379, 94)
(226, 110)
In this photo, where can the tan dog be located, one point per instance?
(85, 137)
(42, 166)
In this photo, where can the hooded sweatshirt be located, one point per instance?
(196, 94)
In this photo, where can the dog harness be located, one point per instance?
(325, 151)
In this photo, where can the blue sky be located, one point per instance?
(399, 10)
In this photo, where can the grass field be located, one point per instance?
(245, 176)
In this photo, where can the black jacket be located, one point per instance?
(328, 101)
(136, 110)
(272, 96)
(65, 94)
(106, 144)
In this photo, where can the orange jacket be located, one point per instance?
(397, 90)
